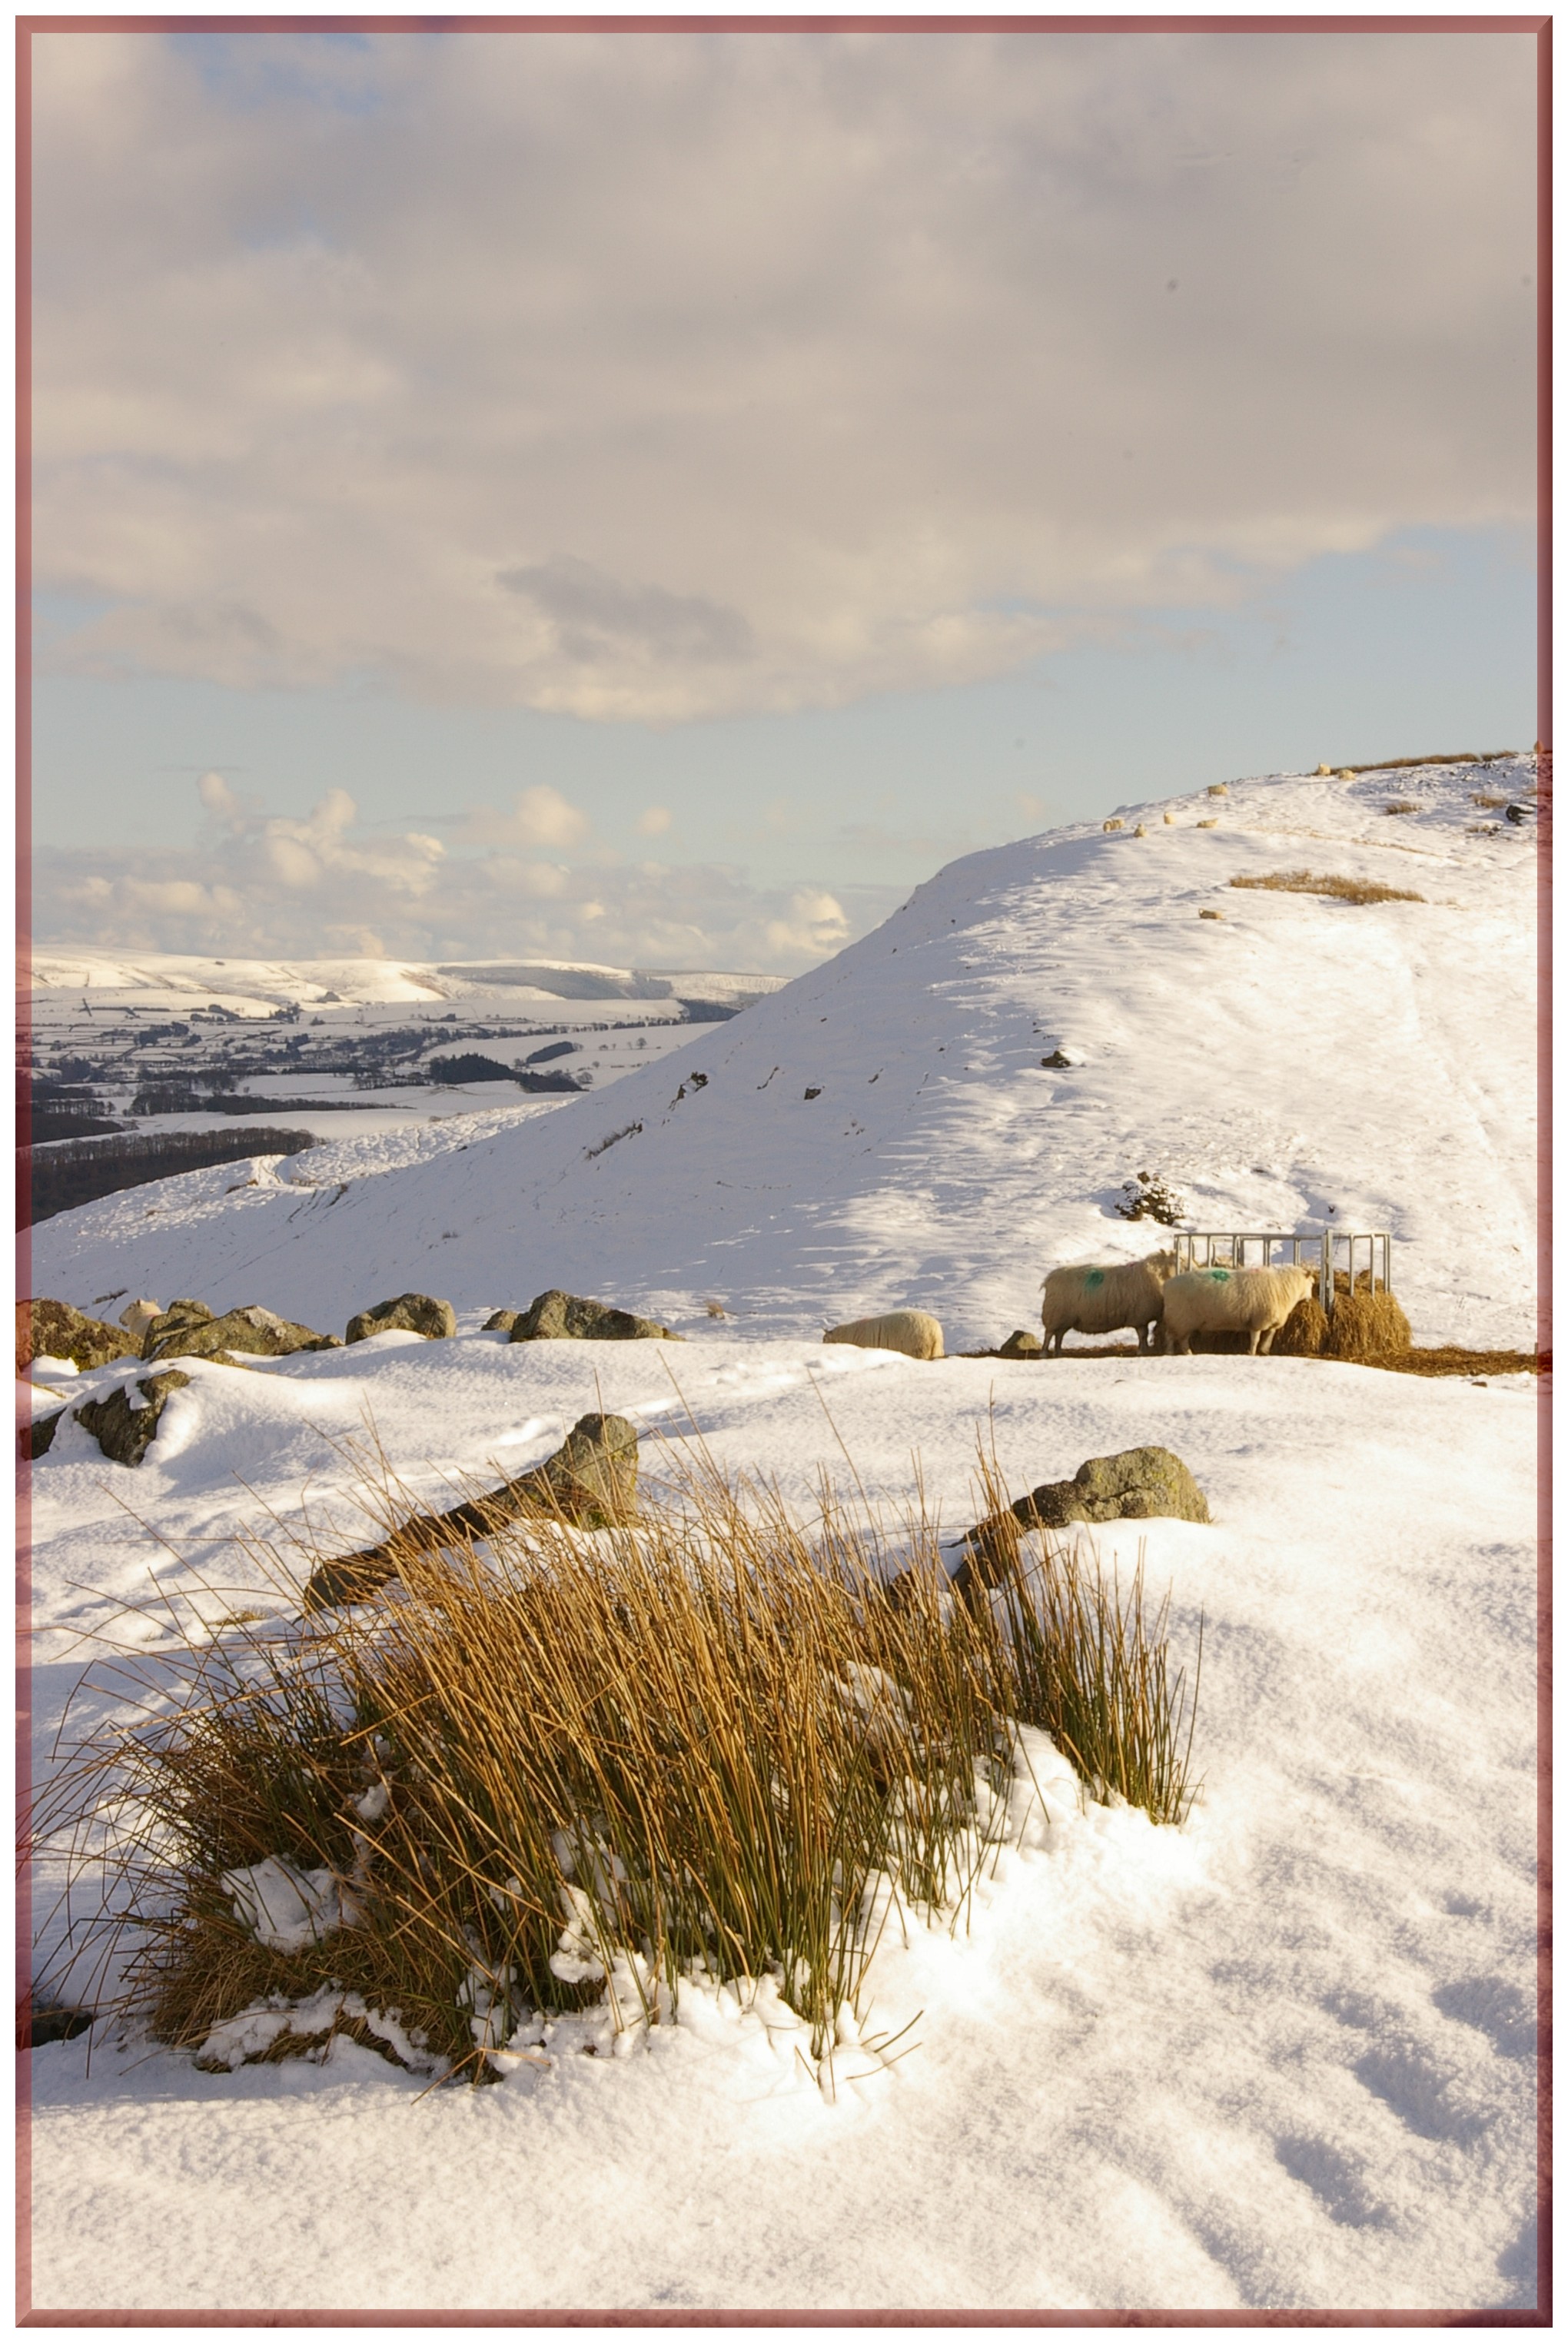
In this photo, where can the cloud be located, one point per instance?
(654, 822)
(264, 886)
(541, 817)
(649, 377)
(813, 926)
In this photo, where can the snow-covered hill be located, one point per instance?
(883, 1129)
(257, 987)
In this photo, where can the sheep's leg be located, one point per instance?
(1252, 1343)
(1267, 1345)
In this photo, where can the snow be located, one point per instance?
(1300, 1062)
(1282, 2056)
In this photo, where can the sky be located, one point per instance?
(654, 498)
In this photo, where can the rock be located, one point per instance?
(555, 1317)
(54, 1330)
(1021, 1345)
(1137, 1484)
(590, 1481)
(501, 1321)
(37, 1439)
(252, 1333)
(413, 1313)
(1057, 1058)
(124, 1433)
(177, 1314)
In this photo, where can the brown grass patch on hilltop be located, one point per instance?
(1448, 1360)
(1344, 890)
(1403, 805)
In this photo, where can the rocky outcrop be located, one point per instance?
(1021, 1345)
(123, 1430)
(253, 1333)
(411, 1314)
(1136, 1484)
(555, 1317)
(590, 1483)
(54, 1330)
(501, 1321)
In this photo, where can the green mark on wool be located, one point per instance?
(1095, 1277)
(1219, 1276)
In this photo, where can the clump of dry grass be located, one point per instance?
(1487, 804)
(1344, 890)
(1403, 805)
(563, 1768)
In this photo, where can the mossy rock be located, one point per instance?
(54, 1330)
(252, 1332)
(555, 1317)
(1135, 1484)
(589, 1483)
(124, 1433)
(410, 1313)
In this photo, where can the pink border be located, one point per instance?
(1541, 27)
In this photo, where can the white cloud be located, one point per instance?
(813, 926)
(654, 822)
(541, 817)
(263, 885)
(651, 376)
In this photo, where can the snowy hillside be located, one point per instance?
(1281, 2057)
(883, 1129)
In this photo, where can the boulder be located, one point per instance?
(590, 1483)
(501, 1321)
(252, 1333)
(412, 1314)
(177, 1314)
(1021, 1345)
(555, 1317)
(1136, 1484)
(124, 1433)
(54, 1330)
(37, 1439)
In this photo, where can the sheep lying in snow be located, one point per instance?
(1251, 1302)
(137, 1316)
(1102, 1296)
(914, 1332)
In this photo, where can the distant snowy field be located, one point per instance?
(1284, 2057)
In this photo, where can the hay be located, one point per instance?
(1367, 1326)
(1305, 1333)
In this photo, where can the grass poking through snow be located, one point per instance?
(1344, 890)
(565, 1768)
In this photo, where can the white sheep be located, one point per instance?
(1251, 1302)
(914, 1332)
(137, 1316)
(1099, 1297)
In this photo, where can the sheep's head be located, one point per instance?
(1161, 1265)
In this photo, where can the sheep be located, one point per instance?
(1098, 1297)
(914, 1332)
(137, 1316)
(1251, 1302)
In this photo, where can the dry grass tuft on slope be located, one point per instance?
(1344, 890)
(562, 1769)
